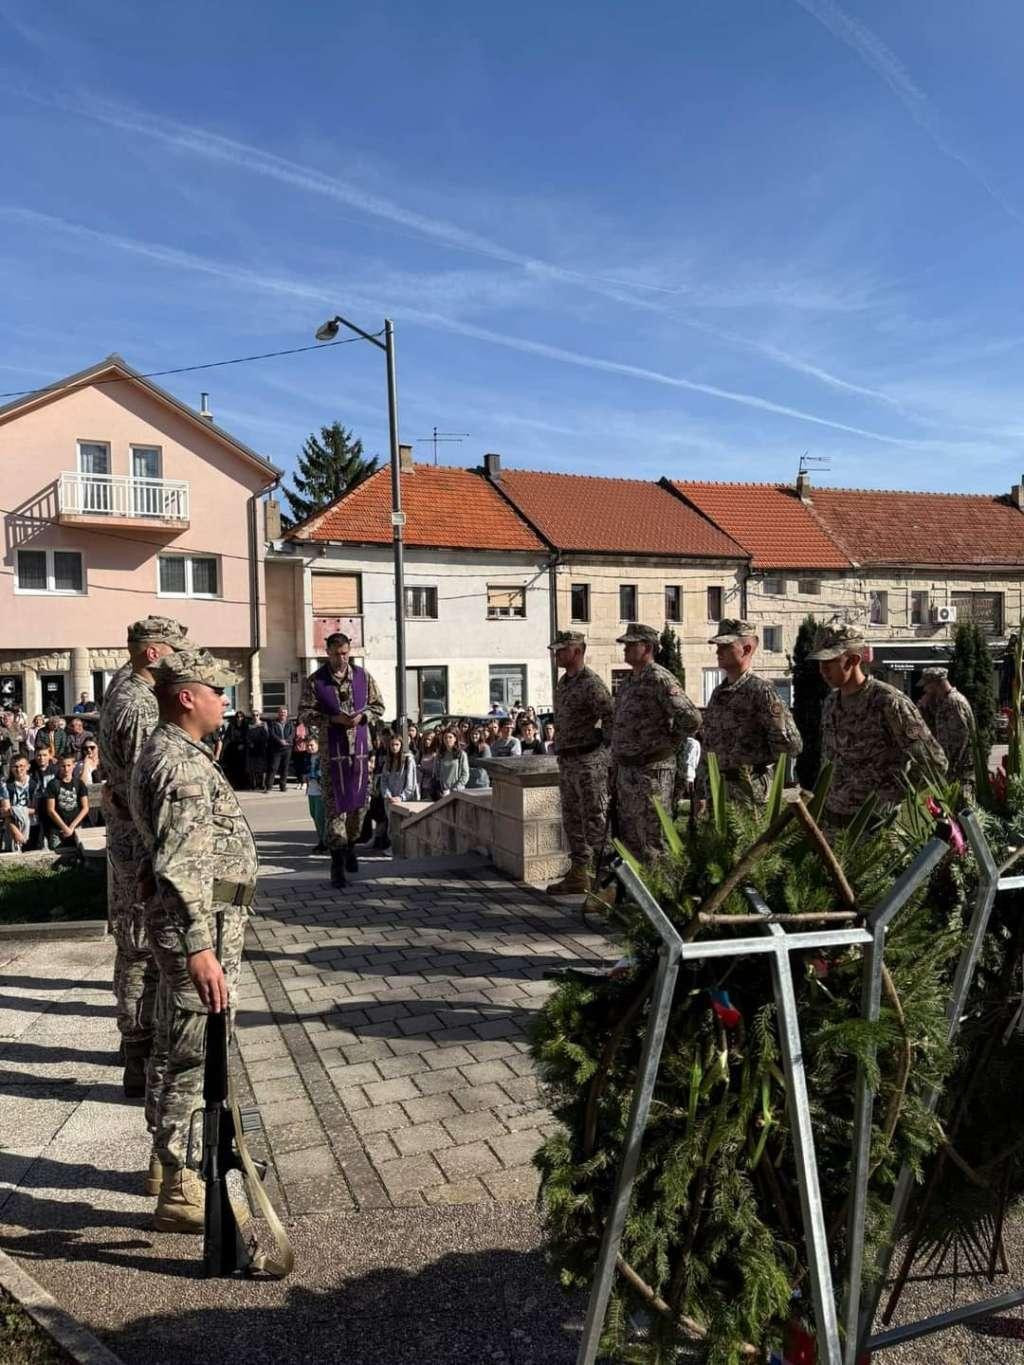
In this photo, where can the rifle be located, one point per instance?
(230, 1247)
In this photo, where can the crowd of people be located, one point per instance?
(47, 767)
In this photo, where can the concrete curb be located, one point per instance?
(56, 929)
(66, 1331)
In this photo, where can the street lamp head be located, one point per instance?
(328, 331)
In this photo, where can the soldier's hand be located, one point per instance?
(209, 980)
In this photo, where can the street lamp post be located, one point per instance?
(328, 332)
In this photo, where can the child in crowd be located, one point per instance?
(451, 771)
(315, 794)
(41, 772)
(549, 737)
(16, 813)
(479, 779)
(67, 803)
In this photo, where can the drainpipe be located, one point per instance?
(255, 640)
(744, 580)
(553, 613)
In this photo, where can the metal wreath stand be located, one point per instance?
(858, 1309)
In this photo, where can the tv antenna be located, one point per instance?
(444, 438)
(809, 462)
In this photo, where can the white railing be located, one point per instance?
(121, 495)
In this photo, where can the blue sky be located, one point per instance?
(690, 239)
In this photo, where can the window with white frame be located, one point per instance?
(716, 598)
(51, 571)
(918, 608)
(421, 603)
(188, 576)
(505, 602)
(773, 587)
(878, 608)
(709, 680)
(771, 638)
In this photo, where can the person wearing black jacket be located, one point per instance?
(280, 738)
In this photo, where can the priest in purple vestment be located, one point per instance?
(340, 704)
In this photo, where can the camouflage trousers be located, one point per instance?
(176, 1092)
(135, 972)
(343, 827)
(636, 820)
(583, 786)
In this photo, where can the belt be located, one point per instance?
(645, 760)
(575, 750)
(234, 893)
(734, 774)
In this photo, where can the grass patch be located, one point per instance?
(30, 894)
(23, 1341)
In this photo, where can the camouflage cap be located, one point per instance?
(934, 674)
(157, 630)
(567, 637)
(731, 628)
(193, 666)
(833, 640)
(636, 634)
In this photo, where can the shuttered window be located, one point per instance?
(505, 602)
(337, 594)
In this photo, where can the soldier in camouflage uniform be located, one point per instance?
(653, 715)
(343, 730)
(203, 865)
(951, 720)
(746, 723)
(583, 717)
(128, 717)
(871, 733)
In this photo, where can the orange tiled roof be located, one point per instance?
(623, 516)
(454, 508)
(888, 527)
(769, 521)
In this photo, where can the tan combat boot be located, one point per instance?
(155, 1174)
(180, 1205)
(576, 882)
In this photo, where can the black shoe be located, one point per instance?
(382, 842)
(338, 869)
(351, 861)
(319, 848)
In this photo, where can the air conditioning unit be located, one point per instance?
(943, 616)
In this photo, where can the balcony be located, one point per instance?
(123, 501)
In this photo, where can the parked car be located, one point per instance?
(442, 722)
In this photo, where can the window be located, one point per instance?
(580, 596)
(878, 608)
(773, 587)
(771, 638)
(147, 490)
(188, 576)
(985, 609)
(709, 680)
(619, 676)
(810, 587)
(337, 594)
(508, 684)
(627, 602)
(96, 493)
(918, 608)
(715, 596)
(784, 687)
(56, 571)
(275, 694)
(673, 602)
(426, 691)
(502, 602)
(421, 603)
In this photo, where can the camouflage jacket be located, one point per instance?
(582, 703)
(952, 722)
(127, 720)
(193, 829)
(747, 725)
(316, 721)
(652, 714)
(872, 739)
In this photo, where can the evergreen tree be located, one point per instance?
(670, 655)
(330, 464)
(809, 693)
(972, 673)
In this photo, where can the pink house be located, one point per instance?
(120, 500)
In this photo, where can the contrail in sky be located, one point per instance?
(885, 64)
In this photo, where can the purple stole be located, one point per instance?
(347, 750)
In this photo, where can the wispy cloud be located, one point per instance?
(253, 280)
(874, 53)
(631, 289)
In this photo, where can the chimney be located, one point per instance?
(272, 519)
(1017, 494)
(492, 467)
(204, 407)
(803, 487)
(405, 459)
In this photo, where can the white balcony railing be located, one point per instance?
(121, 495)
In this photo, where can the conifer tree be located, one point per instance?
(670, 655)
(330, 464)
(809, 693)
(972, 673)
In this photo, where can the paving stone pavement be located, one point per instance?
(383, 1029)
